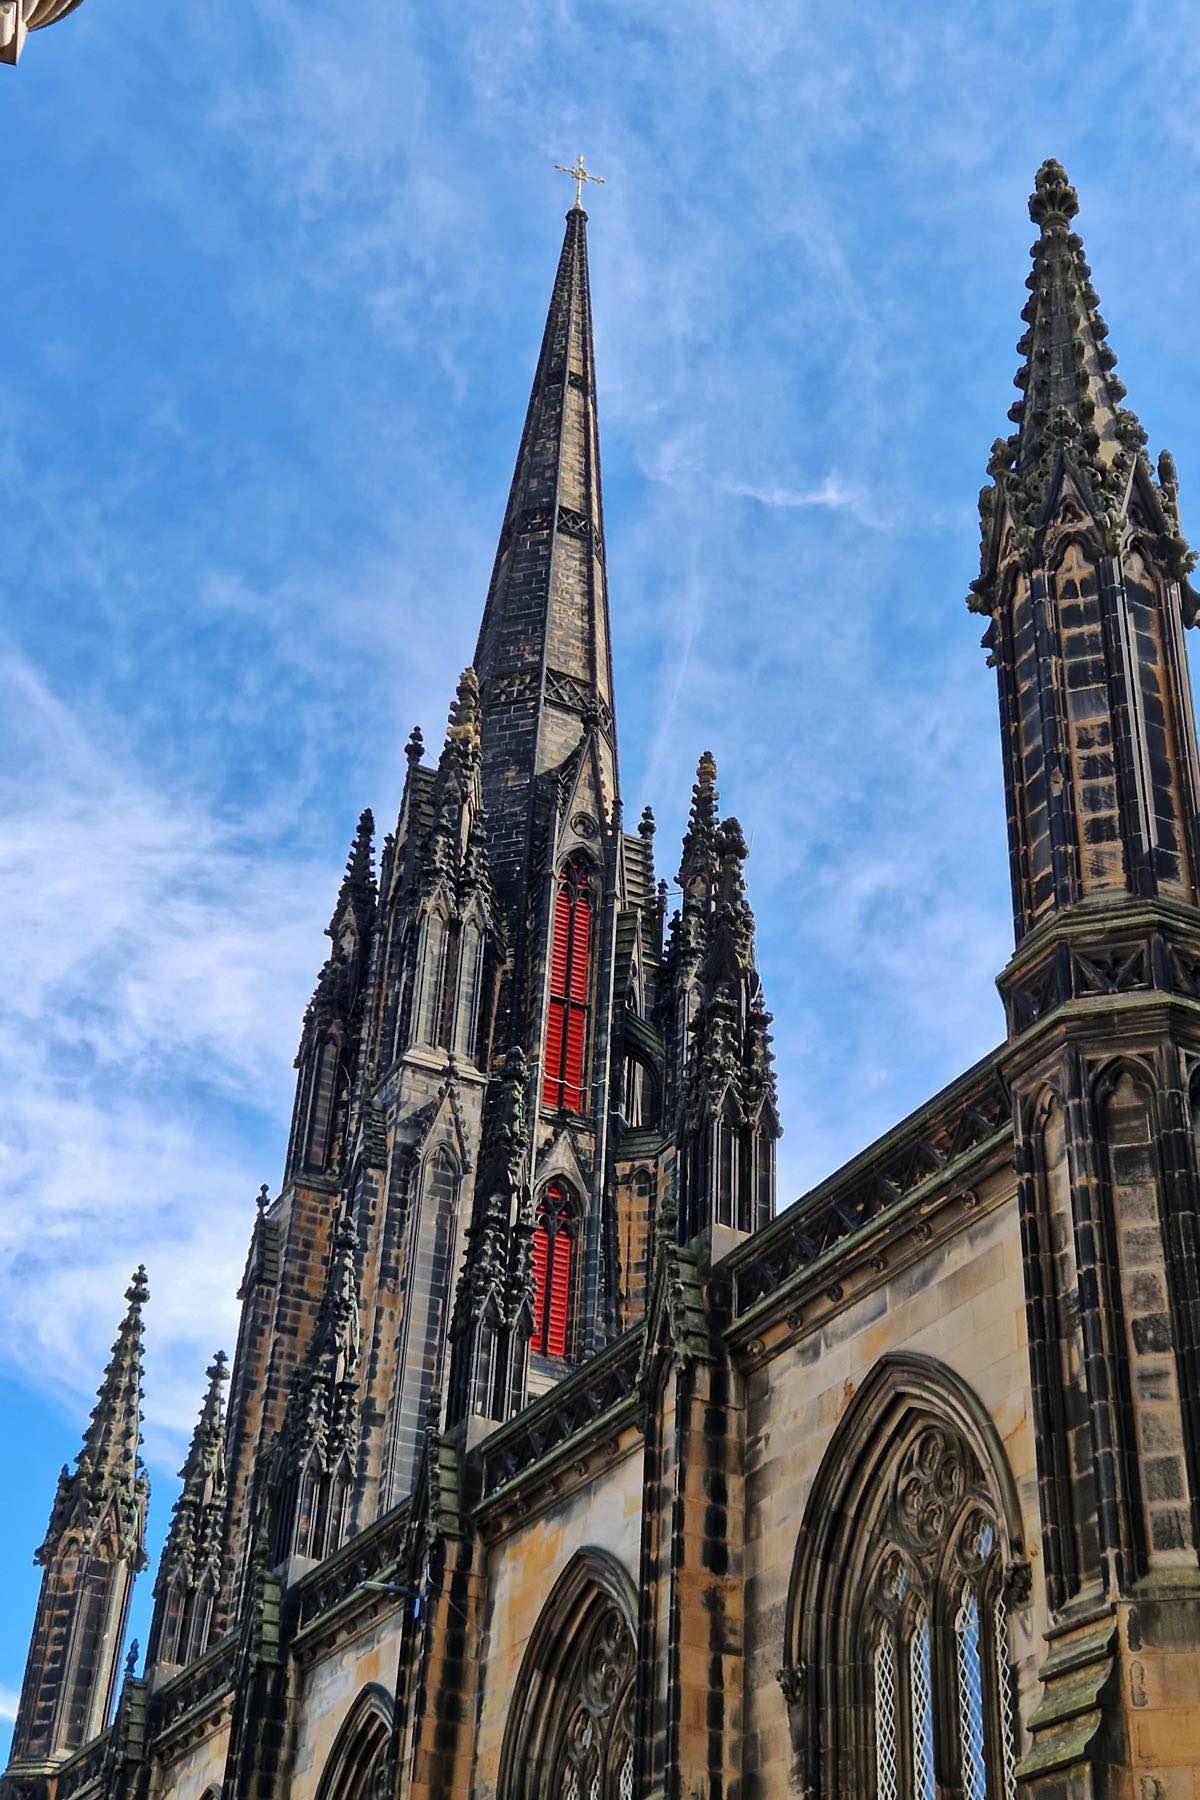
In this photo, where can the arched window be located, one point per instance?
(553, 1270)
(570, 1727)
(358, 1763)
(470, 987)
(322, 1096)
(433, 980)
(428, 1273)
(570, 991)
(200, 1620)
(897, 1615)
(322, 1508)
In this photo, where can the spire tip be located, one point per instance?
(1053, 200)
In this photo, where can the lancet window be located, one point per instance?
(323, 1509)
(554, 1245)
(565, 1063)
(320, 1101)
(188, 1619)
(901, 1683)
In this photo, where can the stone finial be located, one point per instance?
(1053, 198)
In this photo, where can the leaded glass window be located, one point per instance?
(938, 1650)
(886, 1780)
(897, 1672)
(921, 1703)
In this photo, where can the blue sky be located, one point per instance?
(275, 276)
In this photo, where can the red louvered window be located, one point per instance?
(570, 983)
(553, 1256)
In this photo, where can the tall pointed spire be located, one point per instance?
(94, 1546)
(1084, 578)
(543, 656)
(1071, 411)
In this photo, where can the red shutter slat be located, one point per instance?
(552, 1077)
(560, 941)
(580, 941)
(541, 1246)
(573, 1062)
(559, 1296)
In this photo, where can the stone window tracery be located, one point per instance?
(932, 1615)
(900, 1682)
(594, 1745)
(570, 1730)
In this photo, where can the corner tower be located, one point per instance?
(1084, 577)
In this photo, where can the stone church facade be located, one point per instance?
(551, 1460)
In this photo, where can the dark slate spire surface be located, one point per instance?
(543, 656)
(109, 1482)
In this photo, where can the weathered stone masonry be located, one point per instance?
(554, 1463)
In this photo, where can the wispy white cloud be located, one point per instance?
(263, 534)
(155, 959)
(831, 493)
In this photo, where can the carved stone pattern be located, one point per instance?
(511, 689)
(576, 696)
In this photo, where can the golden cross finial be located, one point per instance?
(579, 174)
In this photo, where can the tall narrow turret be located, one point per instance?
(1085, 578)
(91, 1552)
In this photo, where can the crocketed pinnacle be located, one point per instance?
(194, 1537)
(321, 1403)
(1071, 415)
(358, 883)
(208, 1439)
(108, 1480)
(699, 856)
(335, 1341)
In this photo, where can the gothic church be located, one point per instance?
(552, 1463)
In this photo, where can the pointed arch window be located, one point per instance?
(359, 1762)
(553, 1270)
(936, 1620)
(901, 1575)
(570, 991)
(570, 1725)
(322, 1097)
